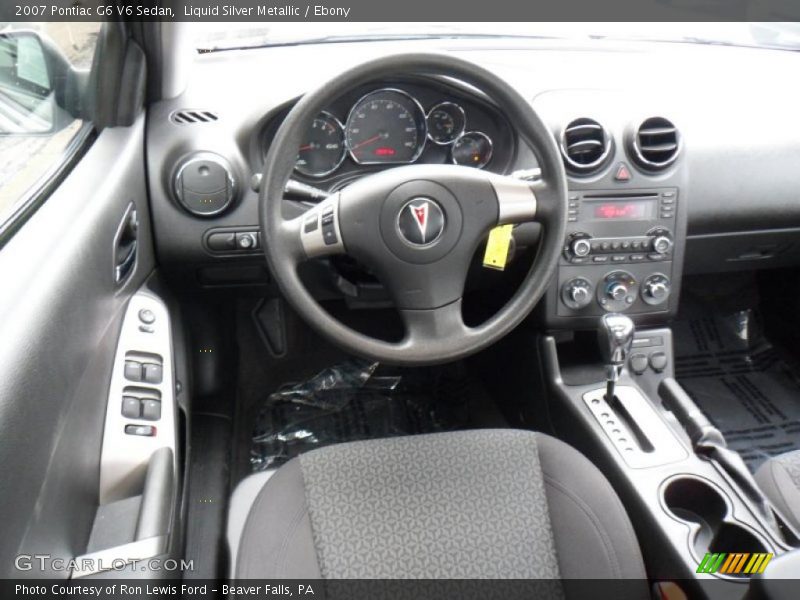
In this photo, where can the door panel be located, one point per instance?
(60, 315)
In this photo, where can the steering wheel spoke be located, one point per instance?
(516, 199)
(435, 326)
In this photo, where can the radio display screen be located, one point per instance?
(623, 210)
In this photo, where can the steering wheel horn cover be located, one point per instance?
(417, 226)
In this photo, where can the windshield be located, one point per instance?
(221, 36)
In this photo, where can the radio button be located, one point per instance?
(581, 247)
(637, 257)
(600, 259)
(619, 258)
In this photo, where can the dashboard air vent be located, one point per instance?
(188, 117)
(585, 145)
(656, 143)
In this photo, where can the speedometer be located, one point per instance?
(385, 126)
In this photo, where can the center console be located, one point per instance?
(623, 253)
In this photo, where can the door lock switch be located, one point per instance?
(140, 430)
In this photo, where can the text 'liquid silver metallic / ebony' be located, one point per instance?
(421, 221)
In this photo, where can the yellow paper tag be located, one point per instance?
(497, 247)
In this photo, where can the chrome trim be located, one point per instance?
(384, 162)
(463, 122)
(465, 134)
(578, 167)
(344, 147)
(211, 156)
(516, 200)
(637, 151)
(118, 557)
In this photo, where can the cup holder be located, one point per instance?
(708, 512)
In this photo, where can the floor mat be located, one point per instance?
(741, 382)
(357, 400)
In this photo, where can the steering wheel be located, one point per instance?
(416, 226)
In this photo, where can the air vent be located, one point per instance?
(189, 117)
(585, 145)
(656, 143)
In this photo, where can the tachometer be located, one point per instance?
(472, 149)
(385, 126)
(446, 121)
(323, 148)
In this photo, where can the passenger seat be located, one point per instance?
(779, 479)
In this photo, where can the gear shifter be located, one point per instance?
(616, 337)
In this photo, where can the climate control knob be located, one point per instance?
(581, 247)
(577, 293)
(662, 244)
(655, 289)
(617, 291)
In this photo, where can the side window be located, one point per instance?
(44, 75)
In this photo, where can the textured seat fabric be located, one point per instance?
(472, 504)
(779, 479)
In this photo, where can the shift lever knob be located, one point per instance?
(616, 337)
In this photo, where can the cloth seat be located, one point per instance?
(471, 504)
(779, 479)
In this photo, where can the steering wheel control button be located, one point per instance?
(140, 430)
(421, 222)
(133, 370)
(131, 407)
(147, 316)
(638, 363)
(658, 361)
(153, 373)
(151, 410)
(311, 224)
(328, 228)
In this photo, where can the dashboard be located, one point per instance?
(663, 147)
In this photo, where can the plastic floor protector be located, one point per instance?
(741, 382)
(357, 400)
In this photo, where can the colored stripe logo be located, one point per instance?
(734, 563)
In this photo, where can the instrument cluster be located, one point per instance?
(390, 126)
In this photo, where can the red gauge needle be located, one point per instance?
(365, 142)
(306, 147)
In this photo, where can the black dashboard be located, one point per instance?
(694, 160)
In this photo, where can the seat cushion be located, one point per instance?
(779, 479)
(472, 504)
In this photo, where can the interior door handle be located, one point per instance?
(126, 245)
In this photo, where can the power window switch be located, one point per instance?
(151, 410)
(140, 430)
(133, 370)
(153, 373)
(131, 407)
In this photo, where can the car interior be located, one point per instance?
(425, 306)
